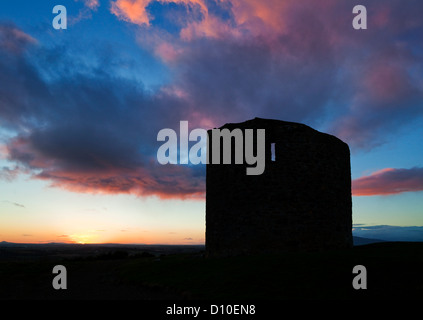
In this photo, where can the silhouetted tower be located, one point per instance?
(302, 201)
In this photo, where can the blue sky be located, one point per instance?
(80, 108)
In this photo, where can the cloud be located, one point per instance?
(91, 136)
(10, 174)
(15, 204)
(93, 172)
(389, 181)
(84, 127)
(85, 12)
(387, 96)
(135, 11)
(131, 11)
(18, 205)
(92, 4)
(365, 86)
(14, 40)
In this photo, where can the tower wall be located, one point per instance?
(302, 201)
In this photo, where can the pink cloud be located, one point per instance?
(209, 27)
(166, 182)
(168, 52)
(92, 4)
(13, 39)
(384, 94)
(389, 181)
(146, 179)
(3, 151)
(386, 78)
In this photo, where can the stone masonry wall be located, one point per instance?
(302, 201)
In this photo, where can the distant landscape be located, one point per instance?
(173, 273)
(10, 251)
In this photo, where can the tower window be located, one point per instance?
(272, 149)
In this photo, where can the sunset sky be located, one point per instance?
(80, 108)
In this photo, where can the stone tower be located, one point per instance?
(302, 200)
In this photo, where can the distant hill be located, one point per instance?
(359, 241)
(26, 245)
(10, 244)
(356, 240)
(389, 233)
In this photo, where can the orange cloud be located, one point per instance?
(250, 16)
(254, 15)
(209, 27)
(135, 11)
(131, 11)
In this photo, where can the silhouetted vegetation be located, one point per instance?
(394, 272)
(118, 254)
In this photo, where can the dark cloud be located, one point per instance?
(85, 128)
(15, 204)
(91, 133)
(18, 205)
(13, 40)
(304, 62)
(10, 174)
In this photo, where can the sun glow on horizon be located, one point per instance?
(82, 238)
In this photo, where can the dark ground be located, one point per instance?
(176, 273)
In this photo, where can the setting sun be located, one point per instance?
(82, 238)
